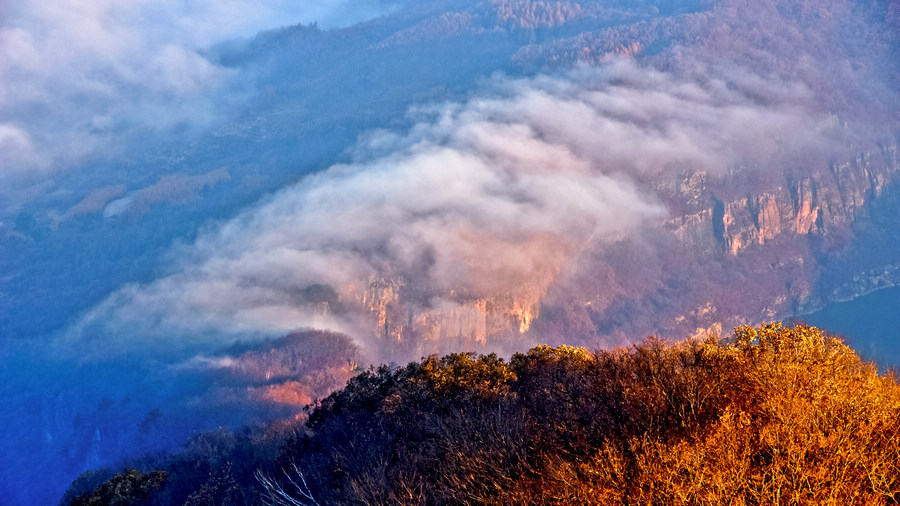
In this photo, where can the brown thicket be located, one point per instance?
(130, 487)
(770, 415)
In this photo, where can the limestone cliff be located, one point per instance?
(404, 318)
(744, 247)
(811, 204)
(779, 238)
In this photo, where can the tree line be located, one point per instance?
(768, 415)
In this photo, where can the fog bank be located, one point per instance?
(476, 199)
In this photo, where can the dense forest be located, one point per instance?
(768, 415)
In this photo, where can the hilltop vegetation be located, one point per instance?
(769, 415)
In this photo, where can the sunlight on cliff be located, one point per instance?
(525, 315)
(291, 392)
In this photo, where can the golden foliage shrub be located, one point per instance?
(798, 419)
(769, 415)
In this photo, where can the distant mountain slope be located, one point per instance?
(301, 96)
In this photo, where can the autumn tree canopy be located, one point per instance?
(768, 415)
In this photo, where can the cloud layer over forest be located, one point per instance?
(476, 197)
(75, 76)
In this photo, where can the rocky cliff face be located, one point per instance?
(784, 249)
(443, 322)
(738, 249)
(812, 204)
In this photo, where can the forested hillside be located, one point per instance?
(768, 415)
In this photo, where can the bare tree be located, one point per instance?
(274, 493)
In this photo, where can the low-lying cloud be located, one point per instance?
(75, 75)
(476, 199)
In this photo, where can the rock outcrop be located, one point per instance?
(787, 247)
(421, 325)
(813, 204)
